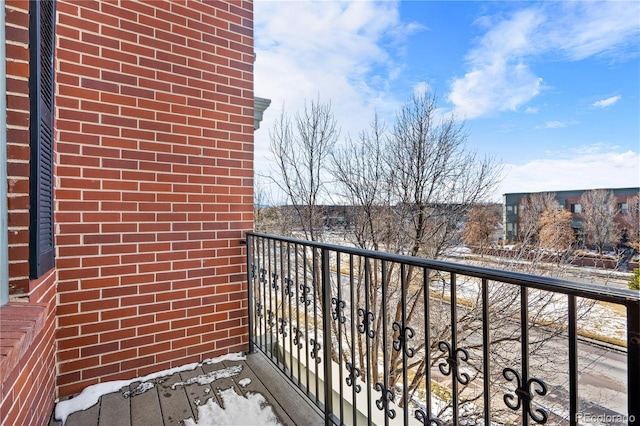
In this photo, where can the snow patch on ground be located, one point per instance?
(244, 382)
(91, 394)
(252, 410)
(141, 388)
(212, 376)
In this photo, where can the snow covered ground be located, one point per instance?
(238, 410)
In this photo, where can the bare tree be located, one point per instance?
(481, 225)
(599, 209)
(631, 221)
(411, 190)
(362, 182)
(556, 233)
(301, 149)
(429, 182)
(435, 178)
(530, 211)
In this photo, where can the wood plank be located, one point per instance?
(299, 408)
(222, 383)
(174, 401)
(88, 417)
(145, 407)
(196, 394)
(115, 409)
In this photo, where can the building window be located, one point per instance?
(41, 95)
(512, 209)
(576, 208)
(624, 208)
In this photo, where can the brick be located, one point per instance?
(154, 131)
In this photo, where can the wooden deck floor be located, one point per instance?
(163, 405)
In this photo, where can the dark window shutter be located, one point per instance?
(41, 93)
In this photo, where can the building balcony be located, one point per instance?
(368, 337)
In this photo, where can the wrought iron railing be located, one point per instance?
(377, 338)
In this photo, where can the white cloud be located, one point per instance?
(421, 88)
(333, 51)
(499, 80)
(606, 102)
(587, 167)
(556, 124)
(500, 77)
(553, 125)
(584, 29)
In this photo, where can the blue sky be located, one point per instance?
(550, 89)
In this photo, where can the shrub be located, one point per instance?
(634, 283)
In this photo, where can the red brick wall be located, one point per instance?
(27, 364)
(154, 184)
(27, 385)
(17, 51)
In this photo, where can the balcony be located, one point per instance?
(367, 337)
(378, 338)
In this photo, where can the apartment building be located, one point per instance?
(569, 200)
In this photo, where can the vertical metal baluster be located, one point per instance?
(486, 366)
(524, 330)
(297, 285)
(454, 345)
(339, 313)
(283, 313)
(315, 316)
(262, 296)
(633, 361)
(573, 361)
(250, 280)
(353, 340)
(274, 276)
(427, 338)
(405, 390)
(326, 337)
(268, 283)
(367, 286)
(306, 317)
(283, 317)
(288, 298)
(385, 361)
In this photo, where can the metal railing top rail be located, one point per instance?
(591, 291)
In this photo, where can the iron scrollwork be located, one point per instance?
(288, 289)
(315, 351)
(304, 297)
(259, 309)
(338, 313)
(426, 419)
(263, 275)
(351, 378)
(282, 329)
(270, 321)
(524, 396)
(274, 283)
(452, 363)
(253, 270)
(297, 337)
(404, 334)
(365, 326)
(388, 395)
